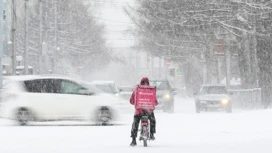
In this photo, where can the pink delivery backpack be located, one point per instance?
(145, 97)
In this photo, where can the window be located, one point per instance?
(34, 86)
(108, 88)
(126, 89)
(104, 88)
(213, 90)
(42, 86)
(160, 85)
(69, 87)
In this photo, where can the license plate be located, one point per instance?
(214, 105)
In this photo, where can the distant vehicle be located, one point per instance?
(49, 98)
(213, 97)
(20, 70)
(165, 95)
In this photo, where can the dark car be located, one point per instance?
(213, 97)
(165, 95)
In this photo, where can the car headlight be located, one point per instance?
(167, 96)
(224, 101)
(203, 102)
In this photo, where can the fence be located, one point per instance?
(247, 98)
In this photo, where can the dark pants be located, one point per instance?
(136, 122)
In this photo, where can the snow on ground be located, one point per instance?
(181, 132)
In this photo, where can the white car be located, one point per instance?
(49, 98)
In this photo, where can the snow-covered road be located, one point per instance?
(181, 132)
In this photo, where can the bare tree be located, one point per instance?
(72, 37)
(182, 29)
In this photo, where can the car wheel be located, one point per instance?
(24, 116)
(171, 109)
(103, 116)
(164, 109)
(197, 108)
(229, 109)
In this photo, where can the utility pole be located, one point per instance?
(227, 58)
(13, 36)
(168, 60)
(6, 38)
(137, 63)
(40, 36)
(26, 40)
(45, 51)
(204, 67)
(152, 65)
(1, 40)
(218, 69)
(257, 70)
(56, 37)
(160, 67)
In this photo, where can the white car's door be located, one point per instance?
(78, 102)
(44, 99)
(84, 104)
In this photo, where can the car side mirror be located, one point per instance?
(195, 93)
(231, 93)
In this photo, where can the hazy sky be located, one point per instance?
(116, 22)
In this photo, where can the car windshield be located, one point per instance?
(126, 89)
(160, 85)
(213, 90)
(108, 88)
